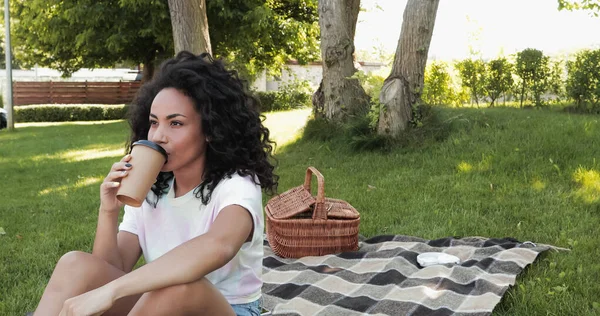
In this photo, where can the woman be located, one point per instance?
(200, 228)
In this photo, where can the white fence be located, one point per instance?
(312, 72)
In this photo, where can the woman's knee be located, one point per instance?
(69, 273)
(76, 273)
(75, 261)
(77, 268)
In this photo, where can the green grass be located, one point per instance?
(528, 174)
(285, 126)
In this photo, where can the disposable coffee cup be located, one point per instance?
(147, 158)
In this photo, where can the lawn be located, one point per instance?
(505, 172)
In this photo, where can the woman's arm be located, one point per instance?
(105, 243)
(194, 259)
(121, 249)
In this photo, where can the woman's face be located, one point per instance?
(177, 127)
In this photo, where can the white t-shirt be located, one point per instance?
(177, 220)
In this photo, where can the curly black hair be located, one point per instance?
(230, 120)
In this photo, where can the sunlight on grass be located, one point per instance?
(42, 124)
(464, 167)
(63, 189)
(589, 182)
(82, 155)
(538, 185)
(590, 128)
(285, 126)
(484, 165)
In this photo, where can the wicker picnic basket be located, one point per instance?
(299, 224)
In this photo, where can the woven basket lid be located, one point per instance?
(299, 200)
(343, 213)
(340, 209)
(290, 203)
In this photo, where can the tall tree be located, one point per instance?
(252, 34)
(401, 92)
(343, 95)
(14, 63)
(190, 26)
(71, 34)
(257, 34)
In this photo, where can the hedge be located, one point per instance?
(281, 101)
(70, 112)
(269, 101)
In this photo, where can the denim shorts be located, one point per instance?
(248, 309)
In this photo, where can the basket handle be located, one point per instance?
(319, 211)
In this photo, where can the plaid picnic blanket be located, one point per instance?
(384, 278)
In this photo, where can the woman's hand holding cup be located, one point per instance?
(110, 186)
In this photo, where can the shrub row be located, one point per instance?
(281, 101)
(269, 101)
(528, 76)
(69, 112)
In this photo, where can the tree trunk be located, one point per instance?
(318, 102)
(522, 93)
(401, 91)
(148, 70)
(343, 96)
(494, 96)
(190, 26)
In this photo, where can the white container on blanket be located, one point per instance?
(432, 258)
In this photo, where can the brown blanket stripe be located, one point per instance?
(384, 278)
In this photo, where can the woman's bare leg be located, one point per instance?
(195, 298)
(79, 272)
(76, 273)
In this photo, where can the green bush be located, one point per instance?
(266, 99)
(372, 83)
(499, 79)
(437, 86)
(557, 80)
(68, 112)
(357, 135)
(533, 68)
(293, 95)
(296, 93)
(583, 80)
(583, 108)
(472, 73)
